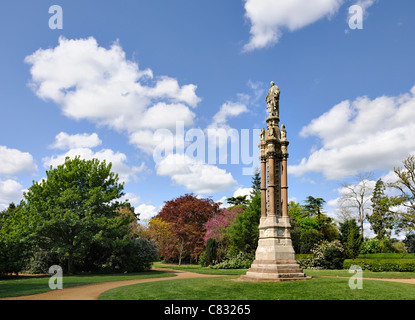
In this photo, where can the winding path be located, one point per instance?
(92, 291)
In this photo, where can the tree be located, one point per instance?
(350, 237)
(75, 212)
(381, 220)
(162, 233)
(244, 231)
(325, 224)
(314, 206)
(216, 227)
(239, 200)
(405, 219)
(14, 242)
(357, 196)
(188, 216)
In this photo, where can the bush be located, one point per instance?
(42, 260)
(377, 246)
(135, 255)
(236, 261)
(326, 255)
(382, 265)
(387, 256)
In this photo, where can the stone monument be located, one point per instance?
(275, 256)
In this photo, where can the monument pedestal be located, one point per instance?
(275, 256)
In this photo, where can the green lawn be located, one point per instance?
(226, 288)
(31, 285)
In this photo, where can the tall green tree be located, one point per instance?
(244, 231)
(350, 237)
(381, 219)
(74, 212)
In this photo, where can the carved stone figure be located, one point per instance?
(283, 132)
(273, 100)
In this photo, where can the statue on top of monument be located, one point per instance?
(273, 100)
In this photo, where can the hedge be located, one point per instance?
(381, 265)
(387, 256)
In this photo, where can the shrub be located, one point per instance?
(382, 265)
(135, 255)
(377, 246)
(42, 260)
(326, 255)
(236, 261)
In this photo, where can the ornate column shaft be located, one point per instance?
(284, 178)
(262, 147)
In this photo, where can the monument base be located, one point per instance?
(274, 271)
(275, 256)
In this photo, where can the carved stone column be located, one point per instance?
(284, 178)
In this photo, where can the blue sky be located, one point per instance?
(119, 74)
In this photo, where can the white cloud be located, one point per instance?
(269, 18)
(10, 191)
(228, 109)
(101, 85)
(14, 162)
(361, 135)
(194, 175)
(118, 160)
(65, 141)
(146, 211)
(243, 192)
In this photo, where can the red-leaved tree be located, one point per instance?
(188, 216)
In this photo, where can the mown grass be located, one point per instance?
(26, 285)
(226, 288)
